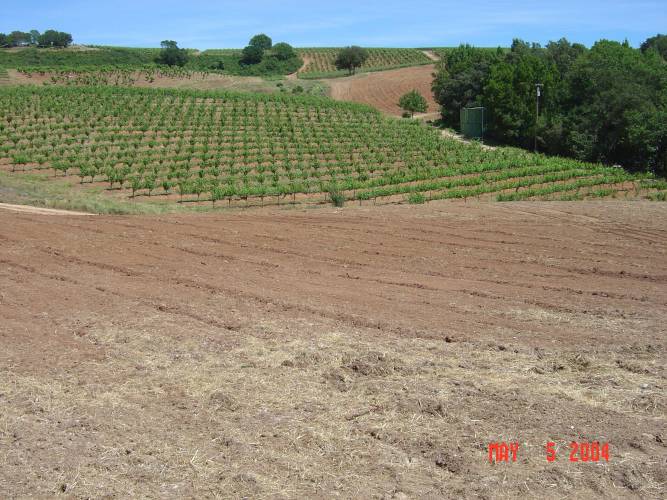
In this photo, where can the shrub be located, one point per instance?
(416, 199)
(336, 197)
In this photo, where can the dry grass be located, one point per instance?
(294, 408)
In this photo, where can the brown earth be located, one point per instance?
(383, 89)
(363, 352)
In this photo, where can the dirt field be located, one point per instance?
(383, 89)
(363, 352)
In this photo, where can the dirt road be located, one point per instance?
(363, 352)
(38, 210)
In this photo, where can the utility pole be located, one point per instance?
(538, 94)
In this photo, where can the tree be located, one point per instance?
(460, 79)
(18, 38)
(509, 93)
(413, 102)
(658, 43)
(3, 40)
(351, 58)
(261, 41)
(283, 51)
(53, 38)
(617, 107)
(171, 55)
(252, 55)
(63, 39)
(34, 37)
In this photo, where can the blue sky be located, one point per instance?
(386, 23)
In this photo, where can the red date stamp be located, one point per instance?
(584, 451)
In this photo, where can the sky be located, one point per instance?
(387, 23)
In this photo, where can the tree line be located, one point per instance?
(260, 57)
(604, 104)
(50, 38)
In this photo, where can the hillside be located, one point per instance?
(125, 58)
(251, 149)
(320, 62)
(383, 89)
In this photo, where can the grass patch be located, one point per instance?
(41, 190)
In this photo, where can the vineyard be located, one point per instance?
(4, 77)
(320, 62)
(109, 75)
(243, 149)
(122, 75)
(92, 56)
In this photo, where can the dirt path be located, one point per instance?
(383, 89)
(431, 55)
(39, 210)
(295, 75)
(362, 352)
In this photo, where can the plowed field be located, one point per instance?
(368, 352)
(383, 89)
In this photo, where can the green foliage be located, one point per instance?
(71, 58)
(416, 199)
(605, 104)
(18, 39)
(351, 58)
(261, 41)
(252, 54)
(283, 51)
(336, 197)
(460, 79)
(171, 55)
(413, 102)
(52, 38)
(657, 43)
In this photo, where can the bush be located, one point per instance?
(416, 199)
(413, 102)
(336, 197)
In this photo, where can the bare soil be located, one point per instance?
(363, 352)
(383, 89)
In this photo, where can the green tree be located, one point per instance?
(617, 107)
(171, 55)
(53, 38)
(252, 55)
(18, 38)
(509, 93)
(460, 79)
(413, 102)
(261, 41)
(4, 42)
(658, 43)
(34, 37)
(351, 58)
(283, 51)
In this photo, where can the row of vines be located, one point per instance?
(203, 146)
(321, 61)
(110, 75)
